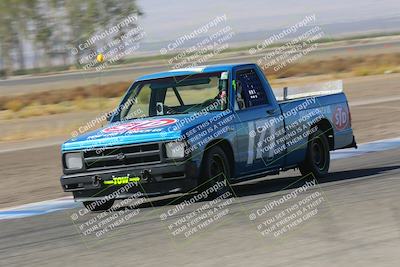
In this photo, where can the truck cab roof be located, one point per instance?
(191, 71)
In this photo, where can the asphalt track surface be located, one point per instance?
(357, 224)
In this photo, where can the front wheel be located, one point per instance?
(98, 205)
(215, 172)
(317, 159)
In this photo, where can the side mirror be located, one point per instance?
(240, 101)
(109, 116)
(160, 108)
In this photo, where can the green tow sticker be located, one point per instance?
(122, 180)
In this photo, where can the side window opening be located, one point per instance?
(171, 98)
(250, 91)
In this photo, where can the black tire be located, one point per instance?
(98, 206)
(317, 159)
(215, 168)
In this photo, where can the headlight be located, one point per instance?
(73, 161)
(175, 150)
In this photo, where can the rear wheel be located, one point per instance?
(317, 159)
(215, 172)
(98, 205)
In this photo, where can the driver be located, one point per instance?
(222, 93)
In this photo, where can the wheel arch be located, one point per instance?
(326, 127)
(226, 147)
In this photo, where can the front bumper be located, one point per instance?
(157, 179)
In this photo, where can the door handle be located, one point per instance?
(271, 111)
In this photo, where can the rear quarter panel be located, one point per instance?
(306, 112)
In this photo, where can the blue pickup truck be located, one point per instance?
(180, 130)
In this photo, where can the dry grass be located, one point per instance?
(13, 105)
(41, 133)
(36, 109)
(16, 103)
(357, 66)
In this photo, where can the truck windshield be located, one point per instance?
(205, 92)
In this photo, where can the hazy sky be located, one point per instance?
(168, 19)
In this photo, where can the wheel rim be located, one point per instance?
(217, 167)
(319, 157)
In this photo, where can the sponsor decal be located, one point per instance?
(340, 117)
(137, 126)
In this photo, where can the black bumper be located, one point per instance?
(157, 179)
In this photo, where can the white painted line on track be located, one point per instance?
(38, 208)
(371, 147)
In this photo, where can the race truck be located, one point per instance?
(186, 130)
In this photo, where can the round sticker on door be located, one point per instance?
(139, 125)
(340, 118)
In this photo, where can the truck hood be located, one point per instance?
(136, 131)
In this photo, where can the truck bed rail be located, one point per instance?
(317, 89)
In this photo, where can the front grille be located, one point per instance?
(122, 156)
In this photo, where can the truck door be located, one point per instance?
(258, 122)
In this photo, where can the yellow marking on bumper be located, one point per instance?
(122, 180)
